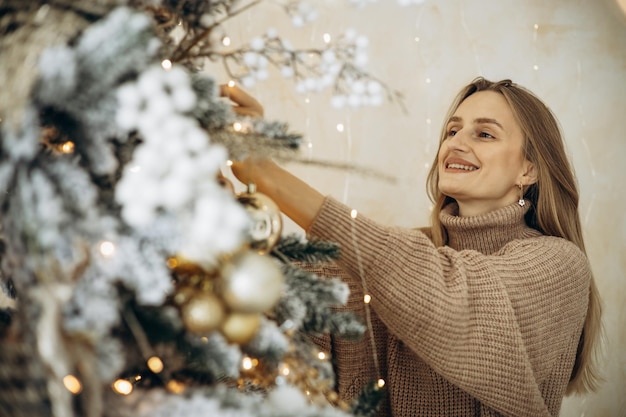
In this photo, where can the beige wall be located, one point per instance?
(575, 59)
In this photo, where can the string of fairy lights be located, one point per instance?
(367, 299)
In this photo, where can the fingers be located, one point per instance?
(244, 111)
(246, 105)
(241, 171)
(250, 169)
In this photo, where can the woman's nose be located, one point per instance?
(459, 140)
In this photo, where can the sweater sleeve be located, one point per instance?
(493, 325)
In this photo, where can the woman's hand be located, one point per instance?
(252, 170)
(294, 197)
(245, 104)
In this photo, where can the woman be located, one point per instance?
(493, 310)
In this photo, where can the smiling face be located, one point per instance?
(481, 159)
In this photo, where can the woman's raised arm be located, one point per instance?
(298, 200)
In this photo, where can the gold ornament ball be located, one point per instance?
(251, 283)
(266, 224)
(240, 328)
(203, 313)
(184, 294)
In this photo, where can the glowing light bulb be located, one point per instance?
(535, 67)
(246, 363)
(122, 387)
(427, 80)
(226, 41)
(155, 364)
(176, 387)
(321, 355)
(138, 378)
(237, 126)
(309, 145)
(166, 64)
(340, 127)
(229, 163)
(307, 100)
(67, 147)
(536, 26)
(380, 383)
(326, 37)
(353, 213)
(284, 370)
(367, 298)
(231, 83)
(72, 384)
(417, 39)
(107, 249)
(172, 262)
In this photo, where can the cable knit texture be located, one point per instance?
(486, 326)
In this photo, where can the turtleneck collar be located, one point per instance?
(488, 232)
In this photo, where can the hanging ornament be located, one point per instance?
(184, 294)
(266, 220)
(251, 283)
(202, 313)
(240, 328)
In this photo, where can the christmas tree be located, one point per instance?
(134, 283)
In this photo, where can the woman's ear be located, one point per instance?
(529, 173)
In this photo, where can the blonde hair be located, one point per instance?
(554, 203)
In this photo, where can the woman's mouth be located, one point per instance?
(457, 166)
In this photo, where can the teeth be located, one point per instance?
(465, 167)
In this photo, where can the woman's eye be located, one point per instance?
(485, 135)
(451, 132)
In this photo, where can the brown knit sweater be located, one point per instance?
(486, 326)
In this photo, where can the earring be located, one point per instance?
(521, 201)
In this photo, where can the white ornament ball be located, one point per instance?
(250, 59)
(362, 42)
(257, 43)
(358, 87)
(251, 283)
(287, 72)
(248, 81)
(355, 100)
(310, 84)
(297, 21)
(271, 33)
(329, 56)
(361, 59)
(374, 87)
(263, 61)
